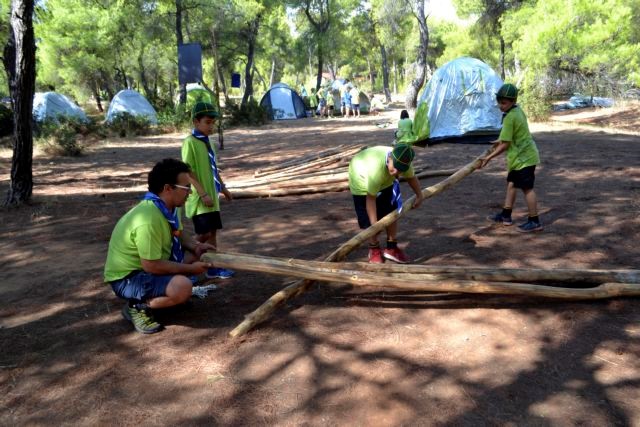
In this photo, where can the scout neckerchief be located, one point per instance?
(396, 195)
(212, 158)
(177, 254)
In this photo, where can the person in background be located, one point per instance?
(203, 206)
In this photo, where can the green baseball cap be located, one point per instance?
(507, 91)
(204, 109)
(402, 155)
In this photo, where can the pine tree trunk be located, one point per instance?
(180, 41)
(421, 61)
(320, 66)
(95, 89)
(252, 35)
(20, 65)
(385, 73)
(502, 57)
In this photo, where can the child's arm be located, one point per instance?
(206, 198)
(501, 148)
(223, 190)
(414, 183)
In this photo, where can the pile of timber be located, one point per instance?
(322, 172)
(568, 284)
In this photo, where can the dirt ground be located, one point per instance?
(337, 355)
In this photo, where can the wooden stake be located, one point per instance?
(326, 272)
(300, 286)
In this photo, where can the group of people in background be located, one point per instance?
(323, 104)
(152, 264)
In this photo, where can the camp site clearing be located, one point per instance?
(336, 353)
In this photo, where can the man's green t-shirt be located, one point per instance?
(368, 173)
(195, 154)
(142, 233)
(522, 151)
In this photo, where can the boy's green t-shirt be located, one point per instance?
(522, 151)
(368, 173)
(142, 233)
(195, 154)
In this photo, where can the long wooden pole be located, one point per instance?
(334, 158)
(324, 271)
(304, 159)
(290, 267)
(300, 286)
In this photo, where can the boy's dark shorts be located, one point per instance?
(523, 178)
(383, 206)
(142, 286)
(207, 222)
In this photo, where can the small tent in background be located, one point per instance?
(363, 101)
(283, 103)
(460, 100)
(197, 93)
(130, 101)
(52, 105)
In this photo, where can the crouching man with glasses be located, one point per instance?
(149, 263)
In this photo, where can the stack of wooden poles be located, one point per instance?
(325, 171)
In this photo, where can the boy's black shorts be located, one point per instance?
(207, 222)
(383, 206)
(523, 178)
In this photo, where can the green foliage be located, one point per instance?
(60, 136)
(175, 119)
(251, 114)
(124, 125)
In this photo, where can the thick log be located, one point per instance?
(300, 286)
(325, 271)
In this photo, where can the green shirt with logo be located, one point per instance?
(142, 233)
(522, 151)
(195, 154)
(368, 172)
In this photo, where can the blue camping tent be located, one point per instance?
(51, 105)
(130, 101)
(461, 99)
(283, 103)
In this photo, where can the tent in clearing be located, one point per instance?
(283, 103)
(197, 93)
(130, 101)
(51, 105)
(460, 102)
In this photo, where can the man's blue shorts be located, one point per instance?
(142, 286)
(384, 206)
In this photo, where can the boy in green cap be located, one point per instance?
(522, 158)
(373, 182)
(203, 206)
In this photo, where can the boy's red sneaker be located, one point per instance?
(396, 255)
(375, 256)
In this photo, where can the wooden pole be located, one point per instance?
(334, 158)
(300, 286)
(326, 272)
(422, 272)
(304, 159)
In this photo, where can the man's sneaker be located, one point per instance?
(396, 255)
(375, 256)
(530, 226)
(219, 273)
(142, 319)
(499, 219)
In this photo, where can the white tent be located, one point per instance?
(51, 105)
(282, 102)
(461, 99)
(130, 101)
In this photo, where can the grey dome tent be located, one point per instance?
(283, 103)
(130, 101)
(461, 101)
(52, 105)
